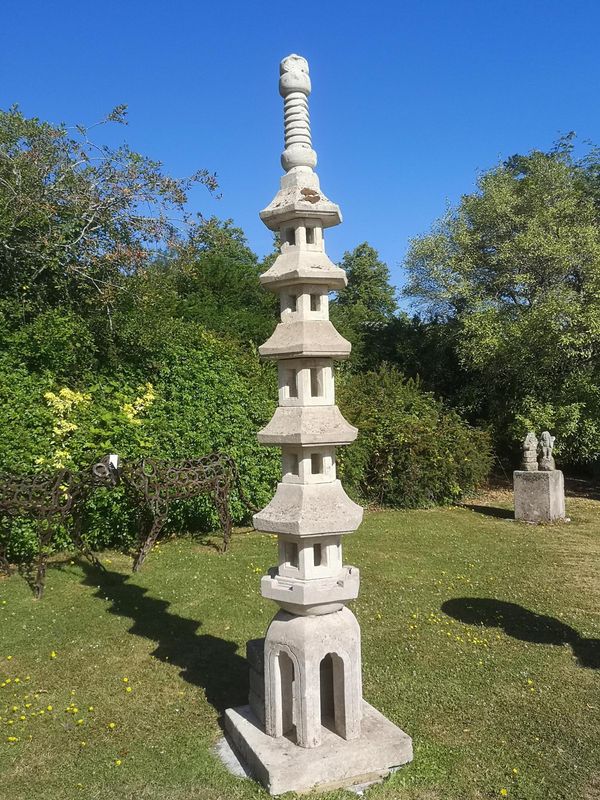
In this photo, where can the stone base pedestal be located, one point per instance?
(539, 496)
(281, 766)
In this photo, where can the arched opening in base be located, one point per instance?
(286, 722)
(333, 696)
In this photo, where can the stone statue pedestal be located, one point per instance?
(539, 496)
(281, 766)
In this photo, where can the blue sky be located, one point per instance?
(410, 99)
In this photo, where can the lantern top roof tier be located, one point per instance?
(300, 196)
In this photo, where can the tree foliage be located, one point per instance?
(515, 268)
(411, 450)
(75, 217)
(365, 306)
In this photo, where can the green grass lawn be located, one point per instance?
(481, 638)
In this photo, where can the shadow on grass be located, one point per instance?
(490, 511)
(204, 660)
(520, 623)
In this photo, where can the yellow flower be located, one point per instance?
(117, 762)
(53, 654)
(79, 722)
(12, 739)
(9, 658)
(82, 744)
(22, 717)
(503, 792)
(112, 725)
(125, 680)
(515, 771)
(90, 708)
(128, 688)
(49, 708)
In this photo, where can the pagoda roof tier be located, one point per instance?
(316, 338)
(300, 196)
(307, 425)
(299, 509)
(297, 265)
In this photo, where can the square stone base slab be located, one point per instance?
(281, 766)
(539, 496)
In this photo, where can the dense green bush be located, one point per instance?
(205, 395)
(411, 451)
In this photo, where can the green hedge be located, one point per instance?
(411, 450)
(203, 395)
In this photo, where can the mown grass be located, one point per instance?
(481, 638)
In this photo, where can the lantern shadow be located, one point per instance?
(203, 659)
(525, 625)
(490, 511)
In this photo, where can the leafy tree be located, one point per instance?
(216, 279)
(368, 283)
(516, 268)
(363, 309)
(77, 218)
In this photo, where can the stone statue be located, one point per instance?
(529, 462)
(547, 463)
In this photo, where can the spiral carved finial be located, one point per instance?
(294, 87)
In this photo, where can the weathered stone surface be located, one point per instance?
(306, 339)
(306, 425)
(546, 462)
(255, 654)
(300, 197)
(315, 596)
(296, 266)
(309, 509)
(308, 726)
(257, 705)
(539, 496)
(312, 672)
(281, 766)
(529, 461)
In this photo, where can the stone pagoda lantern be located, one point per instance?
(307, 725)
